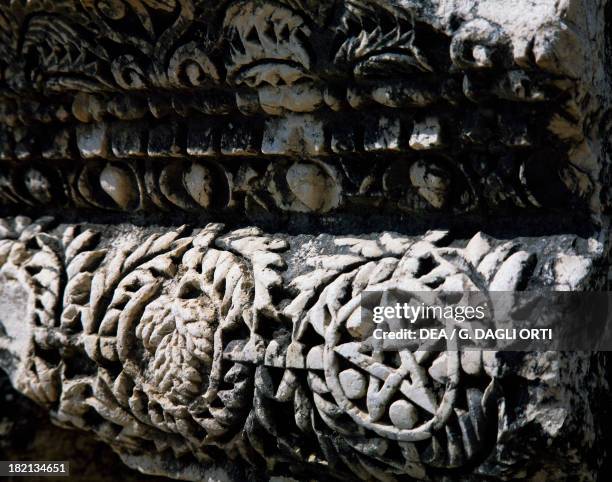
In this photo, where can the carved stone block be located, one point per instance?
(344, 145)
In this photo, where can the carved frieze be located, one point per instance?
(183, 346)
(192, 341)
(392, 103)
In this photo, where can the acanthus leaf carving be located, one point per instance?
(381, 46)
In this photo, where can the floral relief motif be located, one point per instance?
(186, 345)
(379, 48)
(194, 86)
(178, 336)
(197, 335)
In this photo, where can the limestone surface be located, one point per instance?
(194, 196)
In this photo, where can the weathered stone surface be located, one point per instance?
(510, 102)
(434, 145)
(26, 433)
(176, 339)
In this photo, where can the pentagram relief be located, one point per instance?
(408, 397)
(407, 407)
(401, 394)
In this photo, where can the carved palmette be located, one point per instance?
(153, 118)
(192, 341)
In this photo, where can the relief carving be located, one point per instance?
(367, 80)
(191, 347)
(195, 340)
